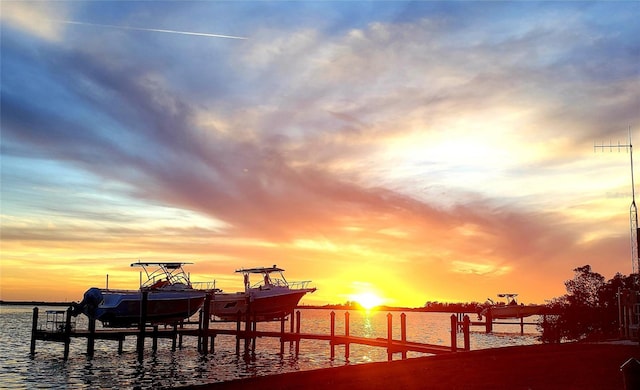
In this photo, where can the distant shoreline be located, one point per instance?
(452, 309)
(33, 303)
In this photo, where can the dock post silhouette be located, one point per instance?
(142, 326)
(346, 334)
(238, 327)
(206, 308)
(389, 336)
(282, 334)
(120, 344)
(154, 339)
(488, 322)
(466, 324)
(67, 332)
(297, 332)
(34, 331)
(173, 337)
(454, 336)
(403, 333)
(332, 334)
(91, 339)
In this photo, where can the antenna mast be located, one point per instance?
(633, 210)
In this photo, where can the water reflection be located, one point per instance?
(186, 366)
(367, 327)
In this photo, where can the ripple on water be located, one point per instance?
(166, 368)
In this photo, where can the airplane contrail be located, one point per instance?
(152, 30)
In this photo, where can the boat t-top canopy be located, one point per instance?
(167, 265)
(511, 298)
(268, 280)
(163, 272)
(260, 270)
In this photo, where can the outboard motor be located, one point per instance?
(90, 302)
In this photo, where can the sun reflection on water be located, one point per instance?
(187, 366)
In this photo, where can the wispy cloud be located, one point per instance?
(131, 28)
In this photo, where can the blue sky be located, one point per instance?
(423, 150)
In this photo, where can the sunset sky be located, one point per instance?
(414, 151)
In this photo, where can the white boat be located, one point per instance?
(510, 309)
(170, 298)
(271, 298)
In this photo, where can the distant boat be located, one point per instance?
(271, 298)
(170, 298)
(510, 309)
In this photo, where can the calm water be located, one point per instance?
(186, 366)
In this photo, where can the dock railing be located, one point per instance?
(299, 284)
(206, 286)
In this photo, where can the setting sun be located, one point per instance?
(367, 300)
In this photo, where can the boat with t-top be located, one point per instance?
(509, 309)
(270, 298)
(171, 298)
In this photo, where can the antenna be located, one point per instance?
(633, 210)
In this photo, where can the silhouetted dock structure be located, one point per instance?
(489, 322)
(60, 327)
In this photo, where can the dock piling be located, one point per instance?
(154, 346)
(403, 332)
(282, 334)
(238, 327)
(466, 323)
(254, 329)
(333, 334)
(173, 337)
(488, 322)
(206, 308)
(247, 330)
(346, 333)
(454, 330)
(291, 317)
(389, 336)
(90, 340)
(297, 332)
(200, 335)
(142, 324)
(34, 330)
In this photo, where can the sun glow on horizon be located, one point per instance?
(368, 300)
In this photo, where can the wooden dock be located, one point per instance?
(489, 322)
(63, 331)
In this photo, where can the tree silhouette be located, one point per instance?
(589, 310)
(583, 289)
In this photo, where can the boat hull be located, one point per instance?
(261, 305)
(118, 309)
(513, 311)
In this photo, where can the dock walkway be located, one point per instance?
(64, 332)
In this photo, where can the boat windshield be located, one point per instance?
(163, 274)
